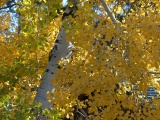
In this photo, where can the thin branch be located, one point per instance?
(84, 114)
(108, 11)
(8, 6)
(80, 113)
(153, 72)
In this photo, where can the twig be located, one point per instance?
(84, 114)
(108, 11)
(153, 72)
(81, 111)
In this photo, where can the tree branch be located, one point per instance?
(8, 6)
(84, 114)
(108, 11)
(153, 72)
(81, 111)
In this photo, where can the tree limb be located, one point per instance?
(8, 6)
(108, 11)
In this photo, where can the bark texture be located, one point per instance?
(61, 49)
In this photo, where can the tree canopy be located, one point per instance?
(114, 59)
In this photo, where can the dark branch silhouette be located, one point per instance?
(8, 6)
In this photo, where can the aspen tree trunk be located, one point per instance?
(61, 49)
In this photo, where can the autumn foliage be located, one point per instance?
(111, 67)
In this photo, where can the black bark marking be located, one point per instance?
(50, 57)
(47, 70)
(52, 73)
(59, 67)
(58, 41)
(55, 47)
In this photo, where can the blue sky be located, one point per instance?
(64, 2)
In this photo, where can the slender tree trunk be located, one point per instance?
(61, 49)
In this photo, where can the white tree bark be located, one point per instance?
(61, 49)
(107, 9)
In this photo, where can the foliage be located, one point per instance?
(2, 2)
(102, 58)
(97, 66)
(24, 56)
